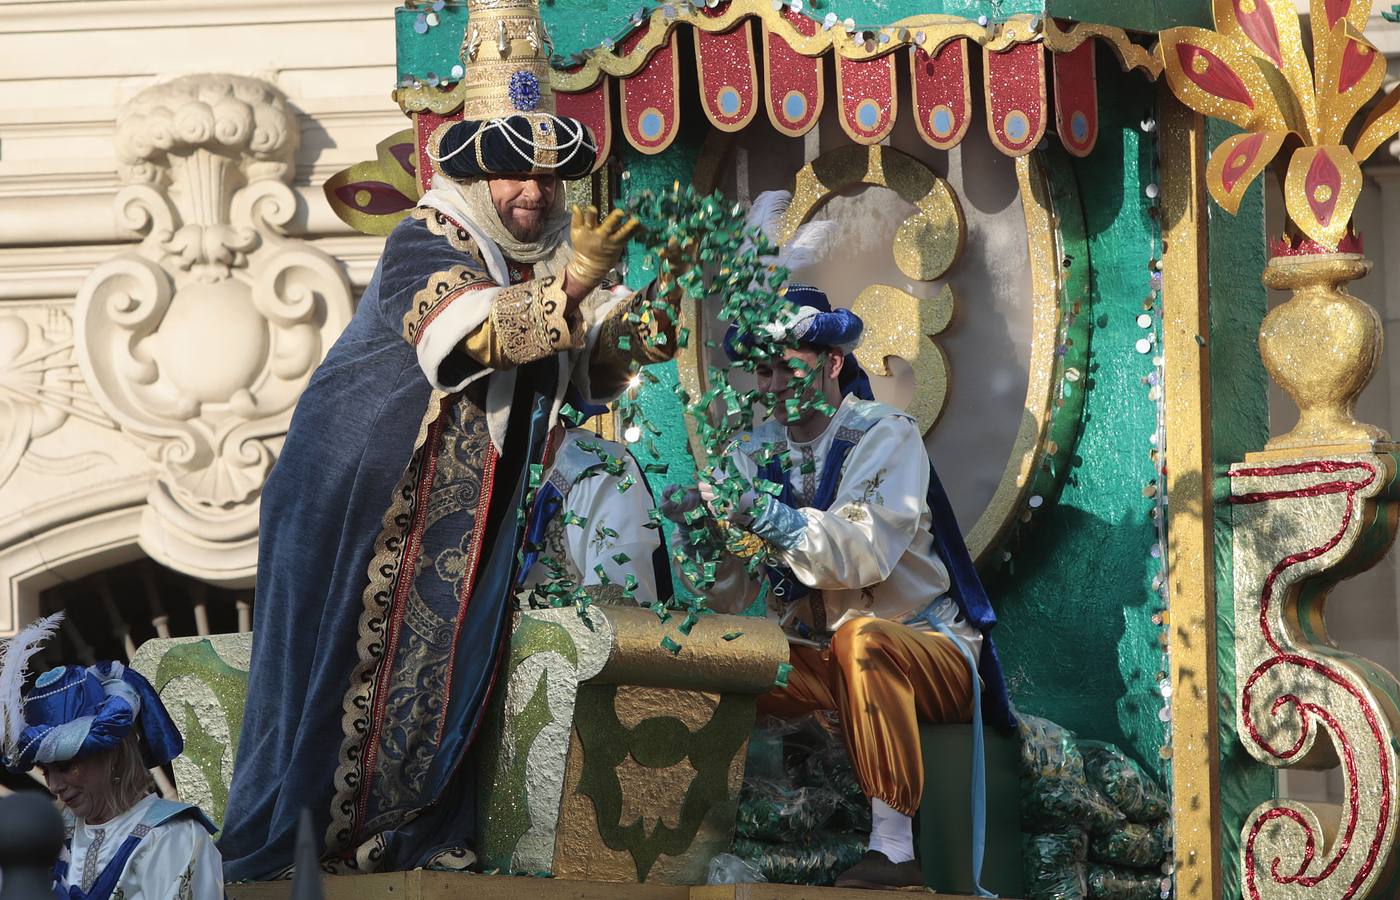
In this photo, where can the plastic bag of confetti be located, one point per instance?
(773, 810)
(815, 860)
(1047, 750)
(726, 868)
(1131, 844)
(1125, 783)
(1054, 864)
(1054, 790)
(1108, 883)
(831, 766)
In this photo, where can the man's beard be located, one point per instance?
(525, 232)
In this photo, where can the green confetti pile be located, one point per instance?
(731, 268)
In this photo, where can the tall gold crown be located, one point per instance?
(505, 55)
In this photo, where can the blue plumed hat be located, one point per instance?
(75, 711)
(809, 320)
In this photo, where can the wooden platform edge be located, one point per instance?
(424, 885)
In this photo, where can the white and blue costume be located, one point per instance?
(155, 850)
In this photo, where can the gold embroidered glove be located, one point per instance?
(597, 245)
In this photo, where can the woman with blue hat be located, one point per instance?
(95, 733)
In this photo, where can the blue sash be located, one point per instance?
(161, 811)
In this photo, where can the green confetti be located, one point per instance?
(732, 635)
(781, 679)
(621, 559)
(670, 646)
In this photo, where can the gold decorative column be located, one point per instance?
(1319, 503)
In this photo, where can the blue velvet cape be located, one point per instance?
(386, 554)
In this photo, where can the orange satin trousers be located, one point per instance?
(883, 678)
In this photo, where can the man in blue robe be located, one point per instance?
(389, 530)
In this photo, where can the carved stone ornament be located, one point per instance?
(1301, 526)
(199, 341)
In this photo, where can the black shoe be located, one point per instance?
(875, 872)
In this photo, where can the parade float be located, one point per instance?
(1051, 215)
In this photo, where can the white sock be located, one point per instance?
(891, 832)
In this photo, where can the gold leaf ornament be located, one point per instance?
(1380, 126)
(1237, 162)
(1271, 32)
(1321, 190)
(1217, 78)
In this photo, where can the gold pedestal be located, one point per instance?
(1322, 346)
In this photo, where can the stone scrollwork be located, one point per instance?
(40, 389)
(199, 341)
(1300, 527)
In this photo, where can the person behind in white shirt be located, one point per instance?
(868, 574)
(95, 732)
(591, 521)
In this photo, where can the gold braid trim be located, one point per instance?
(441, 289)
(443, 226)
(386, 567)
(528, 319)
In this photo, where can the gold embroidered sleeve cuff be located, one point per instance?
(629, 337)
(530, 323)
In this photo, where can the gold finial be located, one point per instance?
(505, 55)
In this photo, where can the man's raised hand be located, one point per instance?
(597, 245)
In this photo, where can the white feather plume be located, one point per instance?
(807, 245)
(15, 655)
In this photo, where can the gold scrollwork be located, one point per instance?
(925, 246)
(1302, 525)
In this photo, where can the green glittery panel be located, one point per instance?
(532, 636)
(504, 806)
(184, 661)
(1083, 579)
(507, 811)
(1072, 351)
(657, 743)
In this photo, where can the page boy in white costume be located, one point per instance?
(95, 732)
(869, 576)
(591, 522)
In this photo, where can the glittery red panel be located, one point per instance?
(425, 123)
(1357, 60)
(1305, 711)
(1257, 22)
(1076, 99)
(650, 99)
(1282, 246)
(1215, 76)
(794, 94)
(593, 108)
(1323, 173)
(867, 93)
(728, 80)
(942, 93)
(1015, 89)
